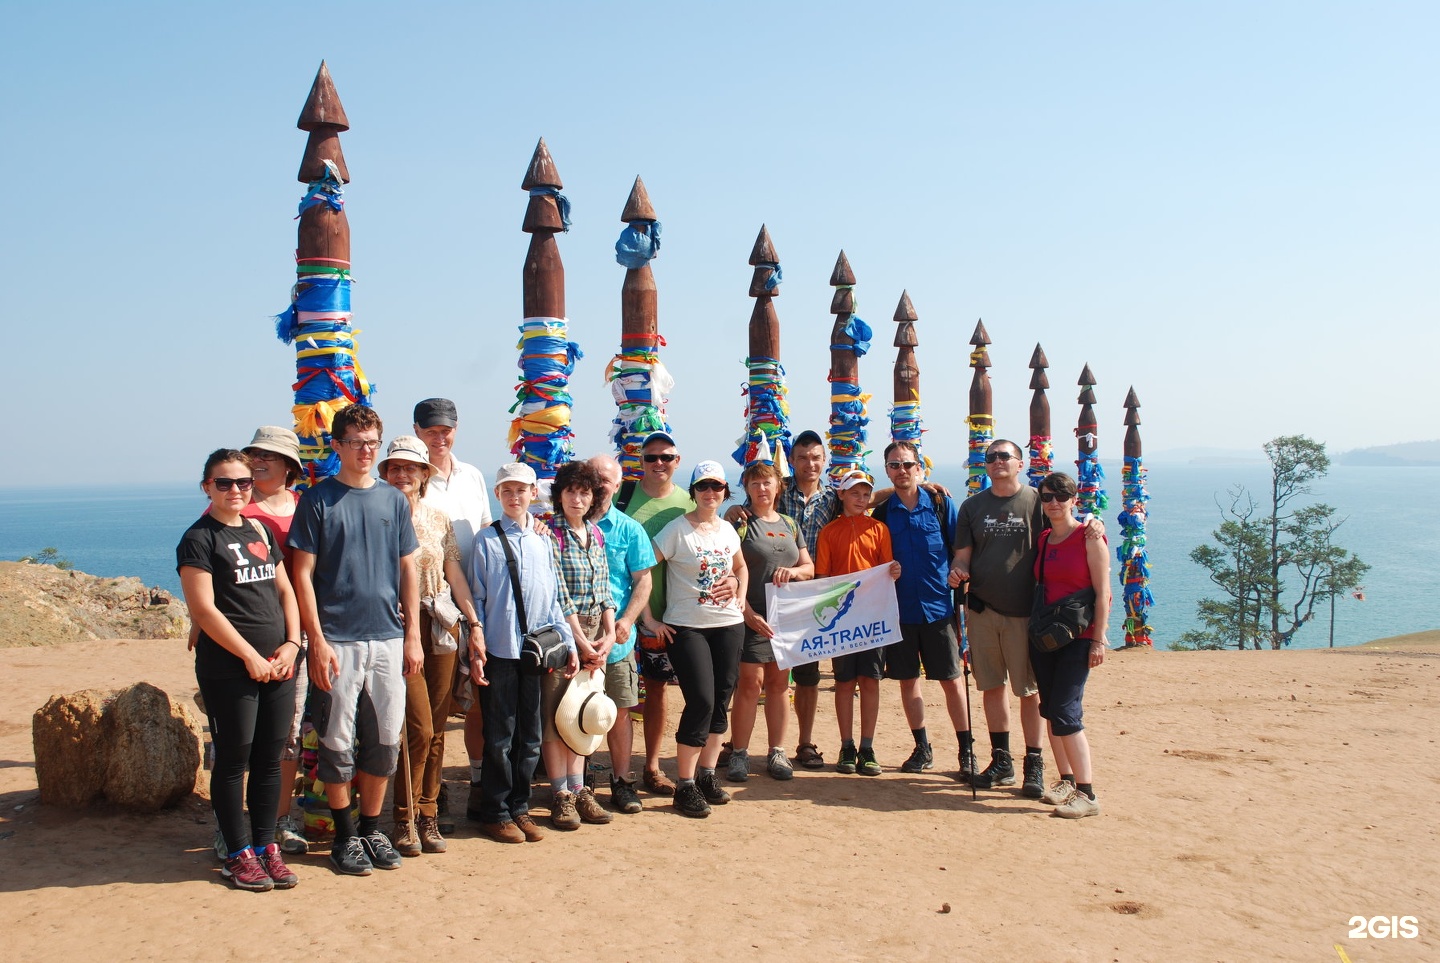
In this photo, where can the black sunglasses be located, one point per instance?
(667, 459)
(709, 486)
(1055, 497)
(225, 484)
(998, 456)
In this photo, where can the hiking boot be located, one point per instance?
(1059, 794)
(405, 839)
(381, 852)
(739, 768)
(866, 764)
(967, 766)
(563, 815)
(428, 828)
(245, 871)
(623, 795)
(1000, 772)
(1034, 785)
(274, 865)
(1078, 806)
(472, 805)
(288, 835)
(778, 766)
(348, 857)
(809, 756)
(690, 801)
(726, 750)
(590, 809)
(442, 801)
(848, 758)
(921, 759)
(657, 783)
(503, 832)
(711, 789)
(533, 833)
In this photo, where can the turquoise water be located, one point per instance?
(133, 531)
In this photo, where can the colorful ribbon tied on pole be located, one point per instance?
(1042, 460)
(982, 432)
(1134, 560)
(847, 434)
(767, 416)
(540, 434)
(905, 426)
(641, 387)
(1090, 481)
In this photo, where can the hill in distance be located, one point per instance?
(1407, 454)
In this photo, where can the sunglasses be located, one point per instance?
(225, 484)
(998, 456)
(667, 459)
(709, 486)
(901, 465)
(1048, 497)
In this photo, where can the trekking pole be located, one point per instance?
(962, 597)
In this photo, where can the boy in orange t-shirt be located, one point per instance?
(852, 543)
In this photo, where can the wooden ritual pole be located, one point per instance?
(1089, 476)
(1134, 512)
(905, 421)
(767, 413)
(849, 340)
(638, 380)
(1042, 450)
(981, 421)
(328, 376)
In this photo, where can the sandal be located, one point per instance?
(809, 756)
(725, 749)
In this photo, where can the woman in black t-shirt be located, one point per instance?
(235, 585)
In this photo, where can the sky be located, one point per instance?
(1231, 206)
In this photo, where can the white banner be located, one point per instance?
(826, 617)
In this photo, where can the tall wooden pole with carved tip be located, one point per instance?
(1089, 476)
(638, 381)
(767, 413)
(328, 376)
(981, 421)
(1042, 450)
(849, 340)
(905, 421)
(540, 434)
(1134, 511)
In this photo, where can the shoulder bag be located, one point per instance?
(543, 650)
(1057, 624)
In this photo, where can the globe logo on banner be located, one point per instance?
(837, 602)
(829, 617)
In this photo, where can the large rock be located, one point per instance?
(70, 748)
(154, 749)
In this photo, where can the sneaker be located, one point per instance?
(657, 783)
(563, 815)
(711, 789)
(866, 764)
(1059, 794)
(288, 835)
(405, 839)
(739, 768)
(623, 795)
(246, 872)
(690, 801)
(349, 857)
(1034, 785)
(726, 749)
(428, 828)
(1078, 806)
(809, 756)
(590, 809)
(778, 766)
(848, 758)
(1000, 772)
(503, 832)
(382, 854)
(532, 832)
(967, 766)
(222, 852)
(274, 866)
(921, 759)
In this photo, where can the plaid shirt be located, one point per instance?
(811, 515)
(584, 572)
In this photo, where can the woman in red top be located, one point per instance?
(1074, 559)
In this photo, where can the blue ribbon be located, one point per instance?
(329, 295)
(561, 201)
(636, 248)
(773, 281)
(858, 331)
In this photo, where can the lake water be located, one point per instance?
(131, 531)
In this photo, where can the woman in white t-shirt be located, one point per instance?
(704, 635)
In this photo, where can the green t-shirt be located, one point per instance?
(653, 514)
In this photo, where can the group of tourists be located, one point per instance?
(397, 600)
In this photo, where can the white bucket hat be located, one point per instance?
(585, 713)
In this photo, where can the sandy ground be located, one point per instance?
(1254, 803)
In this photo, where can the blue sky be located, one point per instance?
(1231, 206)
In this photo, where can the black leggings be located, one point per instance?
(249, 723)
(707, 665)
